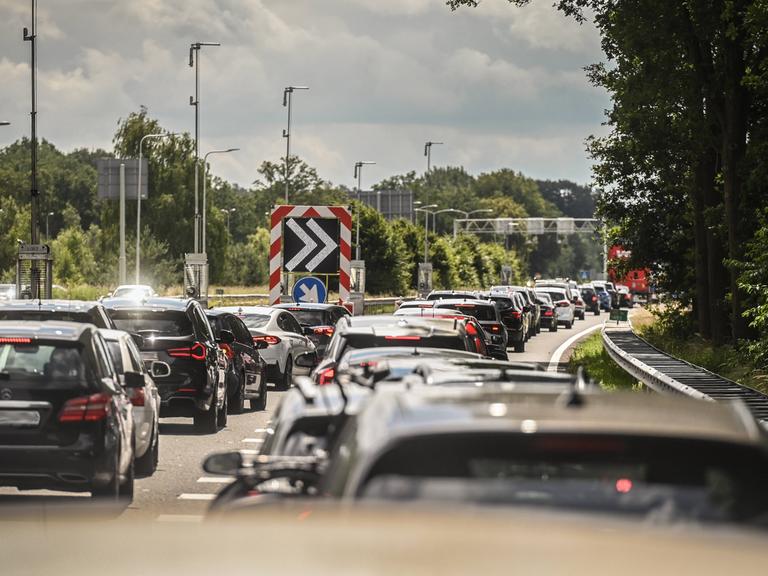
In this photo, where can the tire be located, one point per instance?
(553, 327)
(260, 403)
(538, 328)
(207, 422)
(238, 400)
(109, 493)
(520, 346)
(569, 325)
(125, 490)
(147, 464)
(597, 312)
(287, 378)
(221, 421)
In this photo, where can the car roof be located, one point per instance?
(249, 310)
(50, 305)
(154, 303)
(475, 301)
(48, 330)
(134, 287)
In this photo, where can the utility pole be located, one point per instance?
(428, 154)
(194, 60)
(34, 192)
(359, 176)
(287, 100)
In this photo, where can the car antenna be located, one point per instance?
(573, 398)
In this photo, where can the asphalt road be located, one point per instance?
(180, 491)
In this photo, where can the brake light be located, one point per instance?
(326, 376)
(594, 298)
(227, 350)
(563, 304)
(271, 340)
(402, 337)
(195, 352)
(86, 408)
(495, 328)
(548, 312)
(15, 340)
(324, 330)
(137, 397)
(515, 314)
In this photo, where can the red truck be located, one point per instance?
(636, 280)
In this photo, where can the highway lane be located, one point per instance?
(180, 491)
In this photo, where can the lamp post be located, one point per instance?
(195, 101)
(359, 176)
(428, 154)
(467, 214)
(426, 228)
(138, 200)
(205, 180)
(228, 212)
(47, 233)
(287, 99)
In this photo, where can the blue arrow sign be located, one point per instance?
(310, 290)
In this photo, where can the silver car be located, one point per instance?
(146, 400)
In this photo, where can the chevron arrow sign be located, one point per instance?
(311, 245)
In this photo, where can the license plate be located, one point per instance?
(19, 418)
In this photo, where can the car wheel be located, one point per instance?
(569, 325)
(238, 400)
(520, 346)
(147, 464)
(597, 312)
(125, 491)
(260, 403)
(206, 422)
(287, 378)
(221, 421)
(109, 492)
(553, 327)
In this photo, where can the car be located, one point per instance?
(453, 294)
(317, 320)
(178, 333)
(625, 297)
(603, 296)
(564, 308)
(548, 315)
(64, 310)
(136, 291)
(145, 399)
(281, 332)
(562, 284)
(579, 306)
(590, 297)
(406, 304)
(7, 291)
(513, 316)
(531, 307)
(384, 331)
(611, 289)
(66, 422)
(246, 370)
(486, 313)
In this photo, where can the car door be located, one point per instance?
(151, 394)
(247, 355)
(293, 332)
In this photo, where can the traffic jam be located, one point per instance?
(424, 406)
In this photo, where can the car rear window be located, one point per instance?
(452, 342)
(44, 364)
(556, 296)
(255, 320)
(59, 315)
(307, 317)
(483, 313)
(503, 303)
(153, 323)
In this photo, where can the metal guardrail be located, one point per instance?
(664, 373)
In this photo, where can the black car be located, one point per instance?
(513, 317)
(532, 307)
(453, 294)
(318, 321)
(64, 310)
(178, 332)
(486, 313)
(591, 299)
(548, 314)
(66, 423)
(246, 370)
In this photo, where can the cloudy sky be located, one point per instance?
(501, 86)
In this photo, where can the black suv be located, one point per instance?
(178, 332)
(513, 317)
(591, 300)
(486, 313)
(318, 321)
(78, 311)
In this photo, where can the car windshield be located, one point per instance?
(150, 322)
(43, 364)
(308, 317)
(482, 312)
(255, 320)
(689, 479)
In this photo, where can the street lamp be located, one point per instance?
(195, 101)
(428, 154)
(359, 176)
(138, 200)
(467, 214)
(287, 99)
(228, 212)
(205, 180)
(426, 228)
(47, 234)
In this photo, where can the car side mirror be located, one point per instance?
(307, 330)
(133, 380)
(226, 337)
(159, 369)
(224, 463)
(306, 360)
(138, 339)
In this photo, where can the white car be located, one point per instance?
(145, 399)
(135, 291)
(7, 291)
(564, 308)
(284, 337)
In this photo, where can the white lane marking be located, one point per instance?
(215, 479)
(253, 440)
(188, 496)
(262, 430)
(555, 359)
(187, 518)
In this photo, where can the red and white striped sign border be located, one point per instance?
(279, 213)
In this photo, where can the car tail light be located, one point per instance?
(195, 352)
(402, 337)
(324, 330)
(227, 350)
(15, 340)
(563, 304)
(138, 398)
(594, 298)
(271, 340)
(548, 312)
(86, 408)
(496, 328)
(471, 330)
(326, 376)
(515, 314)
